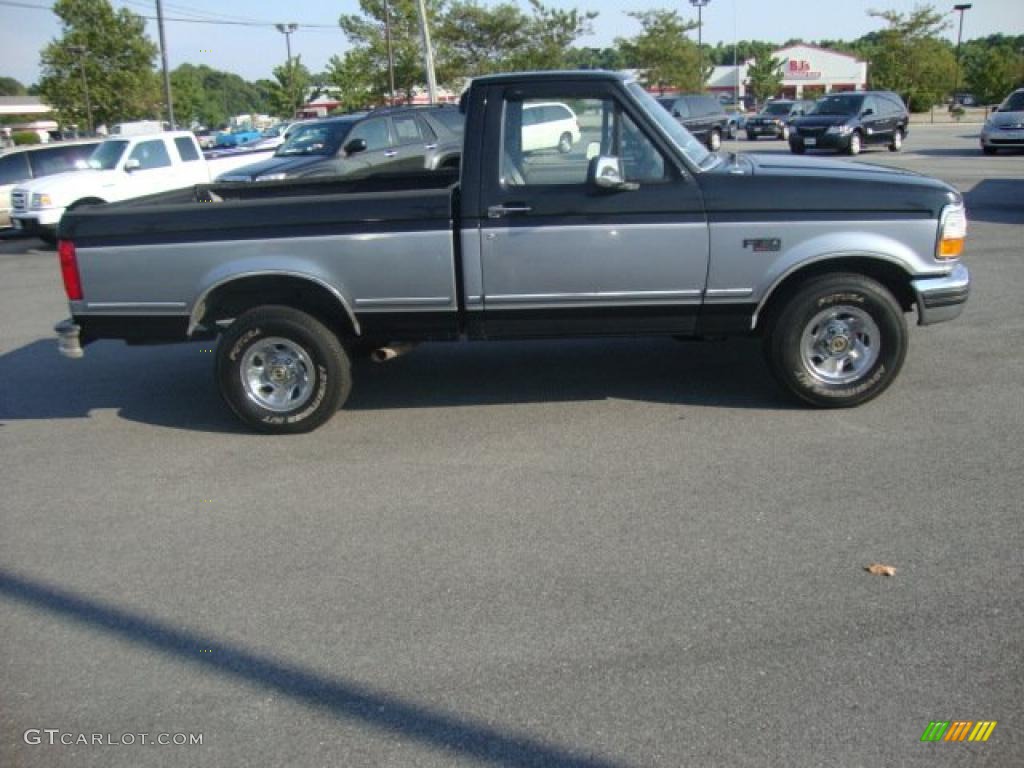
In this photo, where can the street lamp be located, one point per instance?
(959, 8)
(80, 51)
(699, 5)
(286, 30)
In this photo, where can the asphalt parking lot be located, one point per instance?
(600, 554)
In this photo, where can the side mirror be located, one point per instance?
(132, 164)
(867, 112)
(355, 146)
(606, 173)
(675, 113)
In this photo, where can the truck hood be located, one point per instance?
(748, 183)
(275, 164)
(61, 185)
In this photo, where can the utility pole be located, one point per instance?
(391, 53)
(286, 30)
(163, 61)
(699, 5)
(428, 52)
(80, 51)
(959, 35)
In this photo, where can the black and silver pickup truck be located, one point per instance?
(638, 229)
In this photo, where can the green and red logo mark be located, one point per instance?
(958, 730)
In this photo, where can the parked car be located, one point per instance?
(701, 114)
(118, 169)
(646, 232)
(388, 139)
(236, 138)
(33, 162)
(1005, 126)
(549, 125)
(774, 118)
(206, 138)
(850, 121)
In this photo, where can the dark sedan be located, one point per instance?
(396, 139)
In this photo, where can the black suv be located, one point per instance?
(391, 139)
(773, 119)
(850, 121)
(701, 115)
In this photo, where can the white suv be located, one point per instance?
(119, 168)
(549, 125)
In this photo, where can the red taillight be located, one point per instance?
(69, 270)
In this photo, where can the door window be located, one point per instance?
(151, 154)
(374, 132)
(532, 154)
(407, 130)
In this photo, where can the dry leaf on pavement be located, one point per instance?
(877, 569)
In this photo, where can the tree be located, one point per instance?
(478, 40)
(352, 76)
(992, 73)
(598, 58)
(117, 58)
(909, 57)
(293, 81)
(667, 57)
(551, 33)
(11, 87)
(188, 95)
(764, 77)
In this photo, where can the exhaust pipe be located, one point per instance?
(390, 352)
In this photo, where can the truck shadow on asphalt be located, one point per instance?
(997, 200)
(437, 729)
(173, 386)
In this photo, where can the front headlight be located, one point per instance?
(41, 201)
(952, 232)
(272, 177)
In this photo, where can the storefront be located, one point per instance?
(807, 73)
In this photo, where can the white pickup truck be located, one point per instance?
(120, 168)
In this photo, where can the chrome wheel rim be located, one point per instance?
(840, 345)
(277, 374)
(716, 141)
(565, 144)
(897, 139)
(855, 144)
(785, 133)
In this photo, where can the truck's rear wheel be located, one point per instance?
(282, 371)
(838, 342)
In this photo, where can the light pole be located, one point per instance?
(80, 51)
(286, 30)
(428, 52)
(699, 5)
(163, 61)
(959, 35)
(391, 54)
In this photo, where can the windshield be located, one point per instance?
(107, 155)
(776, 109)
(682, 138)
(1014, 102)
(839, 105)
(316, 138)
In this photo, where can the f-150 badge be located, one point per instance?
(761, 245)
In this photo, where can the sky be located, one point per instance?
(253, 52)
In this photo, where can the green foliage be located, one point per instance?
(118, 65)
(477, 40)
(352, 76)
(992, 73)
(11, 87)
(210, 96)
(551, 32)
(598, 58)
(667, 57)
(21, 138)
(764, 77)
(293, 81)
(909, 57)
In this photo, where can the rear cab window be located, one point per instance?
(186, 149)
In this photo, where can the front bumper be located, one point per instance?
(33, 221)
(770, 129)
(942, 298)
(998, 137)
(821, 141)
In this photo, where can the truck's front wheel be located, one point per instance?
(282, 371)
(839, 341)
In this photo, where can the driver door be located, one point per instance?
(561, 256)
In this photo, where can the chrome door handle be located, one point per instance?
(497, 211)
(430, 146)
(391, 153)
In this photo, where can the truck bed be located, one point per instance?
(270, 210)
